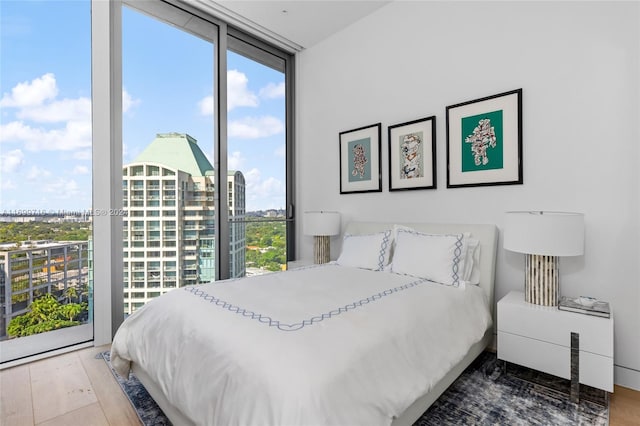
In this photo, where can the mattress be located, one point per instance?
(320, 345)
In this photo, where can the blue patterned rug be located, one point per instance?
(146, 408)
(486, 393)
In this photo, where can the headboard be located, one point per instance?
(486, 234)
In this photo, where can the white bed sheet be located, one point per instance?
(325, 345)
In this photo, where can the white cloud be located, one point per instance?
(128, 101)
(271, 186)
(235, 161)
(206, 105)
(251, 177)
(80, 170)
(58, 111)
(11, 161)
(238, 94)
(36, 173)
(75, 135)
(273, 91)
(84, 154)
(7, 184)
(267, 193)
(30, 94)
(37, 109)
(62, 188)
(255, 127)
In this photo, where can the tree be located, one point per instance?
(14, 232)
(270, 237)
(70, 293)
(46, 314)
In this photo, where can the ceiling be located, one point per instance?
(301, 22)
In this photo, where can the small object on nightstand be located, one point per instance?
(586, 301)
(585, 305)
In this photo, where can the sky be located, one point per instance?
(45, 104)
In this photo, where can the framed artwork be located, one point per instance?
(360, 160)
(484, 141)
(412, 155)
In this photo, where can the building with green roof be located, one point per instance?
(169, 232)
(177, 151)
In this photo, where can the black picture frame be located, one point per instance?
(360, 160)
(484, 141)
(412, 155)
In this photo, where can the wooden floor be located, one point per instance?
(78, 389)
(66, 390)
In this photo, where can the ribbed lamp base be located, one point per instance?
(321, 246)
(541, 279)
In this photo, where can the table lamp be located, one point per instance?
(321, 225)
(543, 236)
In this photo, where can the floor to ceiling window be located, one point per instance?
(168, 173)
(256, 155)
(46, 280)
(179, 165)
(180, 113)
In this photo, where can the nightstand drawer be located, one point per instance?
(524, 351)
(554, 326)
(594, 370)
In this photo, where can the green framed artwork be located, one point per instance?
(360, 160)
(484, 141)
(412, 155)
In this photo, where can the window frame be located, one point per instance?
(106, 61)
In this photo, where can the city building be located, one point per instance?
(169, 228)
(35, 268)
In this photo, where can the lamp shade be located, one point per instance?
(544, 233)
(321, 223)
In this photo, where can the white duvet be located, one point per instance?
(326, 345)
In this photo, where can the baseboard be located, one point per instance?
(626, 377)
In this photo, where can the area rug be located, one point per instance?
(486, 393)
(146, 408)
(489, 392)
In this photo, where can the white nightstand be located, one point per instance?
(539, 337)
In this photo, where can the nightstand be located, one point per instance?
(540, 337)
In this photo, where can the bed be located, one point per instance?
(373, 338)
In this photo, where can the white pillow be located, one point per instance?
(471, 256)
(471, 273)
(436, 257)
(370, 251)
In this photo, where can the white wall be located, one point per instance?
(578, 66)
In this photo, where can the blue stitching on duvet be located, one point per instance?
(299, 325)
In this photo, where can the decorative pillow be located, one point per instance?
(370, 251)
(436, 257)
